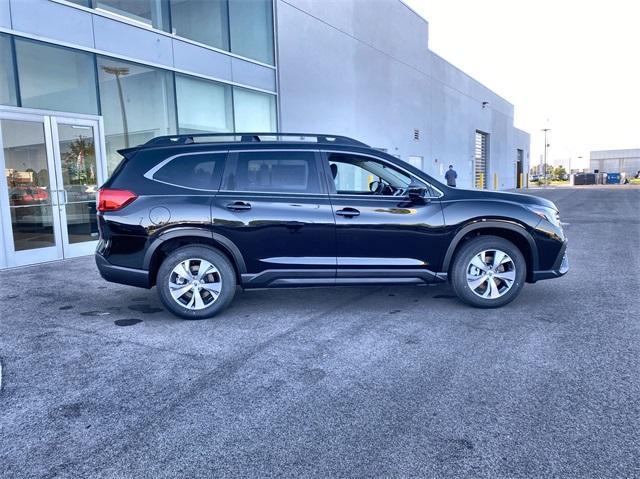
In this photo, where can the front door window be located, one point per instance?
(359, 175)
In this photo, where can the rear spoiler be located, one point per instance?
(128, 152)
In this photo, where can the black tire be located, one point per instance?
(224, 276)
(462, 265)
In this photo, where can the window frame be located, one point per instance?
(228, 100)
(138, 24)
(434, 192)
(16, 39)
(232, 162)
(150, 174)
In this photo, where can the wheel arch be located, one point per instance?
(171, 240)
(511, 231)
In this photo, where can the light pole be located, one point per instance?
(546, 145)
(117, 72)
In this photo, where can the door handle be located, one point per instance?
(57, 196)
(239, 206)
(348, 212)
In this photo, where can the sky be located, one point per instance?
(569, 65)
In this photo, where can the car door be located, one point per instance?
(380, 232)
(274, 206)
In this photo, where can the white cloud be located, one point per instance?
(573, 62)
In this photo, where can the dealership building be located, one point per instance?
(616, 161)
(80, 79)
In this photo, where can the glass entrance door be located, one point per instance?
(52, 168)
(77, 179)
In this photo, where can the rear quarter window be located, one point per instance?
(202, 171)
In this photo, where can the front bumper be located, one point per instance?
(560, 267)
(122, 275)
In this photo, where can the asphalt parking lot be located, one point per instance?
(99, 381)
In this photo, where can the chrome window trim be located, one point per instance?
(388, 163)
(149, 174)
(281, 194)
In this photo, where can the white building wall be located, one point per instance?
(616, 161)
(363, 69)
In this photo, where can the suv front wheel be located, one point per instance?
(488, 272)
(196, 282)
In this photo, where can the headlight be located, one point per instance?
(549, 214)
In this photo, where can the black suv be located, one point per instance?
(198, 215)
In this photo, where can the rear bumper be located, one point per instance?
(122, 275)
(560, 267)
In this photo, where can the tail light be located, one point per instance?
(113, 200)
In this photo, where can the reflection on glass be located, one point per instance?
(138, 103)
(203, 106)
(79, 180)
(251, 29)
(56, 78)
(7, 78)
(205, 21)
(150, 12)
(27, 175)
(254, 111)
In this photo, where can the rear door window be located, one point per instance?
(200, 171)
(273, 172)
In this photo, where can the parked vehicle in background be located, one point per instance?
(198, 215)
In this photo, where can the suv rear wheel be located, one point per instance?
(196, 282)
(488, 272)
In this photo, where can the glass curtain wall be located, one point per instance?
(137, 103)
(56, 78)
(251, 29)
(153, 13)
(244, 27)
(7, 77)
(204, 21)
(254, 111)
(203, 106)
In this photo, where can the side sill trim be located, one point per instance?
(317, 277)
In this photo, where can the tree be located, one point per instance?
(559, 172)
(78, 160)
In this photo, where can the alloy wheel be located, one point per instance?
(491, 274)
(195, 283)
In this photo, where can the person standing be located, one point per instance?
(451, 176)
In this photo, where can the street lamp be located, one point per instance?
(118, 72)
(546, 145)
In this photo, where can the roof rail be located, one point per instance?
(252, 137)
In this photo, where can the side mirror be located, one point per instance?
(416, 191)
